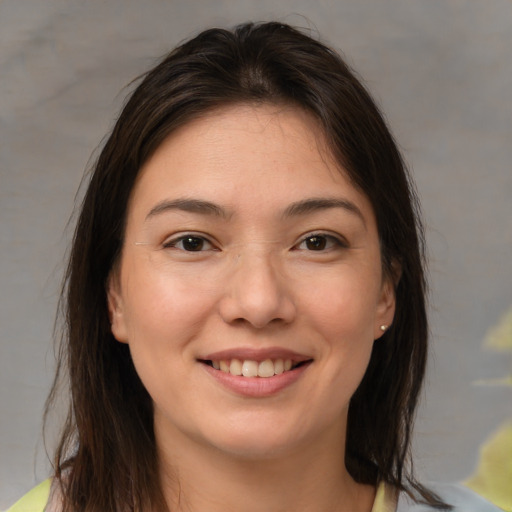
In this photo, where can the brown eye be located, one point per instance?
(192, 243)
(320, 242)
(316, 243)
(189, 243)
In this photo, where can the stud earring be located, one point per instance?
(383, 328)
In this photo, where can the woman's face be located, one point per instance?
(247, 250)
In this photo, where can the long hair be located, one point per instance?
(107, 458)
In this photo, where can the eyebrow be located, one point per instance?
(315, 204)
(303, 207)
(188, 205)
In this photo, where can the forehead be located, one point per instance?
(262, 153)
(242, 127)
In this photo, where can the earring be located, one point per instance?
(383, 328)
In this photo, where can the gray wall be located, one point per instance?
(443, 73)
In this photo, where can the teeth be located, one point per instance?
(250, 368)
(235, 368)
(266, 368)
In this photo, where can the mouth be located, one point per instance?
(252, 368)
(256, 373)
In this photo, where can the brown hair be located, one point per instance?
(107, 458)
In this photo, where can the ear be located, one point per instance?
(116, 309)
(385, 311)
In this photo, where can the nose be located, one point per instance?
(257, 293)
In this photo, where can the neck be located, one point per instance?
(197, 478)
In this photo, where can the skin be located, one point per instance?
(309, 282)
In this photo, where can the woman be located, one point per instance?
(245, 298)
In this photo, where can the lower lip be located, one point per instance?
(257, 387)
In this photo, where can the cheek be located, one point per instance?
(163, 315)
(163, 307)
(343, 312)
(343, 305)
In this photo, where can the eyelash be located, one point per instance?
(325, 242)
(173, 243)
(331, 240)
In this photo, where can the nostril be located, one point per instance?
(255, 295)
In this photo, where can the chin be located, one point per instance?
(256, 443)
(254, 451)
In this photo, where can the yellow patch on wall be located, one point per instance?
(493, 476)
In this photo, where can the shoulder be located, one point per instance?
(459, 497)
(35, 500)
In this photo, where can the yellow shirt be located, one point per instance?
(386, 500)
(36, 499)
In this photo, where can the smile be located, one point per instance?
(251, 368)
(256, 373)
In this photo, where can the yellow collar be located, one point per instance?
(385, 498)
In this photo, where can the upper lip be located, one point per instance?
(255, 354)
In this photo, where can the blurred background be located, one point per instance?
(442, 72)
